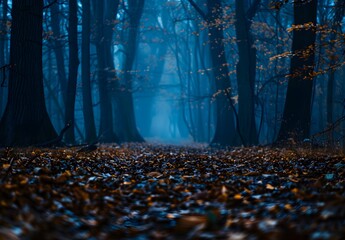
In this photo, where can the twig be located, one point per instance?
(50, 4)
(55, 140)
(198, 9)
(329, 132)
(330, 128)
(89, 147)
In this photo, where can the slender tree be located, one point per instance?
(3, 50)
(90, 129)
(72, 69)
(225, 123)
(130, 132)
(110, 73)
(297, 110)
(335, 26)
(25, 120)
(58, 47)
(103, 49)
(246, 72)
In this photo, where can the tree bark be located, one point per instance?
(59, 50)
(26, 121)
(103, 49)
(297, 110)
(225, 125)
(246, 72)
(3, 52)
(336, 25)
(111, 10)
(89, 119)
(72, 70)
(130, 132)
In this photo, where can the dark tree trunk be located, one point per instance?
(26, 121)
(59, 50)
(111, 10)
(130, 132)
(330, 95)
(297, 111)
(106, 131)
(225, 126)
(199, 108)
(3, 51)
(246, 71)
(89, 120)
(339, 14)
(72, 69)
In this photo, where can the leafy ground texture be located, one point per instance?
(165, 192)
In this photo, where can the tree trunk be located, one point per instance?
(3, 50)
(89, 120)
(225, 126)
(297, 110)
(330, 96)
(111, 10)
(336, 25)
(246, 71)
(59, 50)
(130, 132)
(72, 70)
(26, 121)
(106, 131)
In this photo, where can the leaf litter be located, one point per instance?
(141, 191)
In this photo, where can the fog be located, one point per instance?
(184, 72)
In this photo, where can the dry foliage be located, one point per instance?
(162, 192)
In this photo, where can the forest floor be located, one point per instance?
(167, 192)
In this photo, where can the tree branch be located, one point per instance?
(196, 7)
(50, 4)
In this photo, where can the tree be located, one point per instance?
(25, 120)
(59, 48)
(3, 49)
(246, 71)
(225, 124)
(335, 26)
(104, 17)
(72, 70)
(90, 129)
(130, 132)
(297, 110)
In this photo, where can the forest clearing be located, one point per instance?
(142, 191)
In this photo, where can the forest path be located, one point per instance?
(168, 192)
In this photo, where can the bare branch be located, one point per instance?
(196, 7)
(50, 4)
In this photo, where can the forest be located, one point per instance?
(172, 119)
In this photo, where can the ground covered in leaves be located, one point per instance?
(162, 192)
